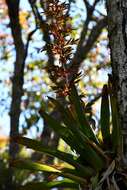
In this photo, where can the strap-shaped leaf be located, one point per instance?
(105, 115)
(63, 132)
(66, 183)
(72, 124)
(27, 164)
(116, 133)
(85, 151)
(85, 127)
(66, 157)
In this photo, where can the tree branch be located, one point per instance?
(26, 49)
(43, 26)
(90, 8)
(17, 83)
(83, 50)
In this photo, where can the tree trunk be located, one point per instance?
(117, 28)
(17, 82)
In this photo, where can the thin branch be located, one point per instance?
(86, 23)
(95, 3)
(80, 54)
(26, 48)
(82, 51)
(95, 32)
(87, 5)
(83, 34)
(44, 26)
(90, 8)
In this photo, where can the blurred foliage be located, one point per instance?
(19, 176)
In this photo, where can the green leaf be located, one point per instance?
(62, 131)
(27, 164)
(85, 151)
(116, 133)
(71, 123)
(66, 183)
(94, 181)
(66, 157)
(105, 116)
(84, 125)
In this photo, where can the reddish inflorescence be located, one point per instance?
(59, 23)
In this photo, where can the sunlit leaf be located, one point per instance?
(29, 165)
(48, 185)
(66, 157)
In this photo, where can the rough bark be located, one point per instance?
(117, 27)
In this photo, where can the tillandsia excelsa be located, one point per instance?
(60, 28)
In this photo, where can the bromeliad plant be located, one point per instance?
(92, 163)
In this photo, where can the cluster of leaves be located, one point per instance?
(92, 163)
